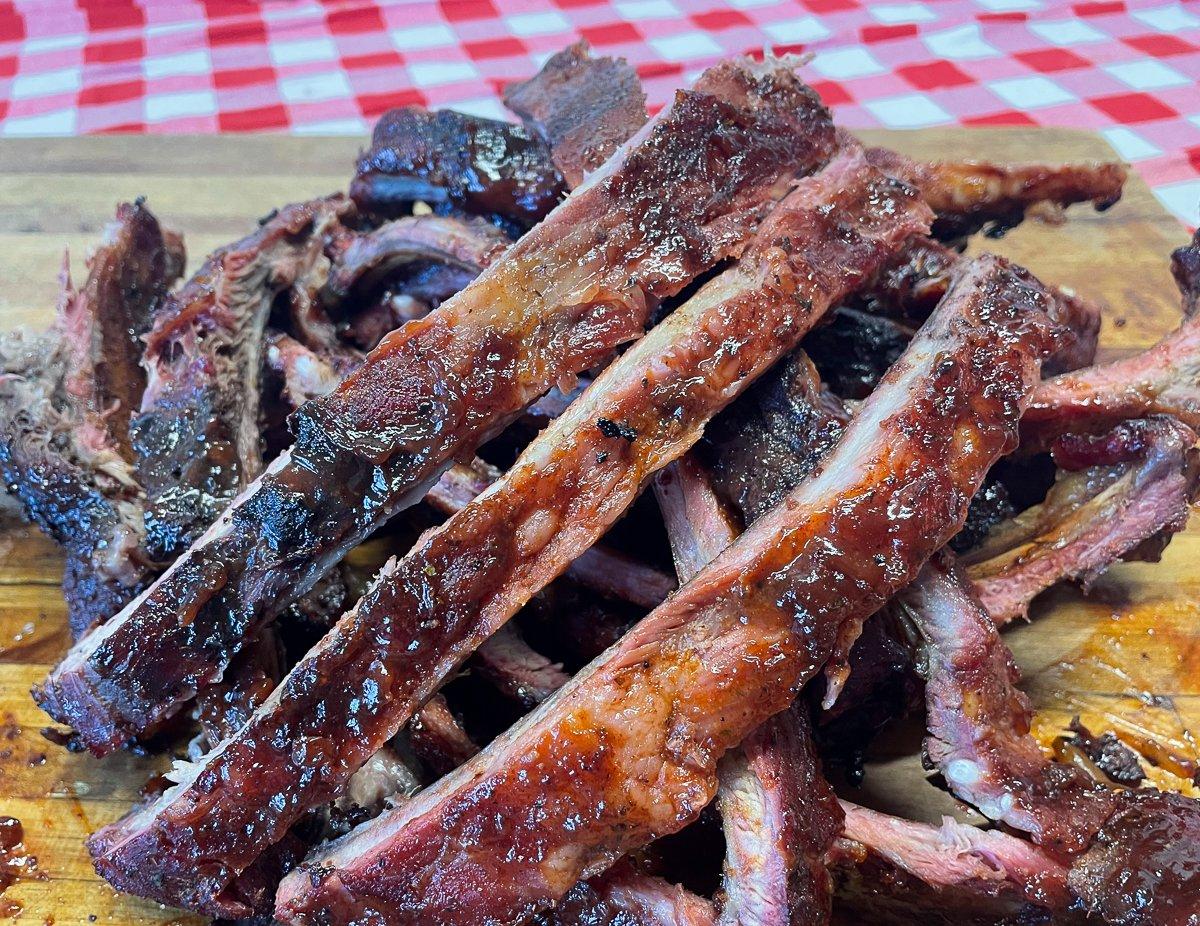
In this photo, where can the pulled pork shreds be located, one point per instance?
(64, 422)
(667, 207)
(467, 577)
(627, 751)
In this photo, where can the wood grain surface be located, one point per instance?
(1127, 657)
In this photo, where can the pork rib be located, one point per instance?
(973, 195)
(979, 721)
(1131, 486)
(670, 204)
(627, 751)
(917, 277)
(1143, 868)
(604, 570)
(468, 246)
(583, 107)
(624, 896)
(465, 579)
(1164, 380)
(196, 437)
(895, 871)
(778, 814)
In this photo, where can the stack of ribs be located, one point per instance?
(357, 513)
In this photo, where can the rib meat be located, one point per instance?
(895, 871)
(517, 669)
(627, 751)
(197, 437)
(602, 569)
(979, 721)
(780, 819)
(972, 195)
(1129, 487)
(673, 203)
(778, 814)
(1164, 380)
(65, 469)
(764, 445)
(1143, 868)
(918, 276)
(624, 896)
(584, 108)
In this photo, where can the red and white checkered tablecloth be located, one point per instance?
(1127, 68)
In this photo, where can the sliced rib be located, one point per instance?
(517, 669)
(780, 818)
(670, 205)
(979, 721)
(627, 751)
(438, 738)
(1123, 496)
(428, 611)
(585, 108)
(972, 195)
(196, 437)
(917, 277)
(891, 870)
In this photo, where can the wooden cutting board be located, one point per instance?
(1128, 657)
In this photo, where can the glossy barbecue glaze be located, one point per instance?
(684, 194)
(1144, 867)
(431, 609)
(450, 159)
(628, 750)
